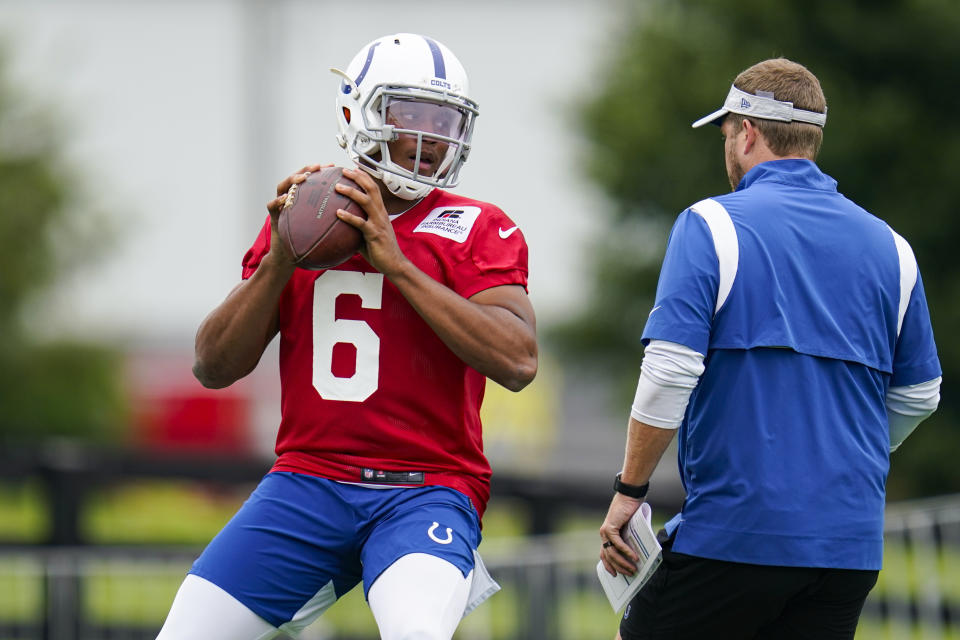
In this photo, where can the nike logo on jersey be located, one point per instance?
(654, 309)
(506, 233)
(433, 537)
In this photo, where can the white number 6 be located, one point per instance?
(328, 331)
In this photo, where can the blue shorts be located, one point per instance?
(298, 534)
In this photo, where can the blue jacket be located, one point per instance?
(807, 308)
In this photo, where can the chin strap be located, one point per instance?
(404, 187)
(400, 186)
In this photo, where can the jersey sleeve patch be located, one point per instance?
(454, 222)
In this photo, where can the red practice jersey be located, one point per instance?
(367, 386)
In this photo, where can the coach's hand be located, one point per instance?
(615, 553)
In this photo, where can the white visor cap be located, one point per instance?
(763, 107)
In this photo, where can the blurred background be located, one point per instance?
(140, 140)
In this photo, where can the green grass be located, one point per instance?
(588, 615)
(22, 514)
(130, 592)
(159, 513)
(894, 630)
(21, 589)
(908, 572)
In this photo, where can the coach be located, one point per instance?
(790, 343)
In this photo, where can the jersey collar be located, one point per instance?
(795, 172)
(429, 198)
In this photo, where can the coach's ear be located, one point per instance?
(752, 135)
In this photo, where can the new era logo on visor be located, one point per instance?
(744, 103)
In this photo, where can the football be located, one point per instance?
(308, 222)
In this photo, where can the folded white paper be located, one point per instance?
(639, 534)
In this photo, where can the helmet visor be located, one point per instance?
(444, 121)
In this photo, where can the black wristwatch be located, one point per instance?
(631, 490)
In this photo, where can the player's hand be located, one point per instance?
(615, 553)
(380, 243)
(279, 252)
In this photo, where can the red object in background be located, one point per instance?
(173, 413)
(194, 420)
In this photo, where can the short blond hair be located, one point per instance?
(788, 82)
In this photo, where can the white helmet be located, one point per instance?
(412, 85)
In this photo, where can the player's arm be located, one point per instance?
(494, 331)
(233, 337)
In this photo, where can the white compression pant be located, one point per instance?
(201, 609)
(419, 597)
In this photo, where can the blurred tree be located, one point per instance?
(888, 68)
(48, 387)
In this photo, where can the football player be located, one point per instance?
(380, 475)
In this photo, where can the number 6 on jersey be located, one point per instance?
(329, 331)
